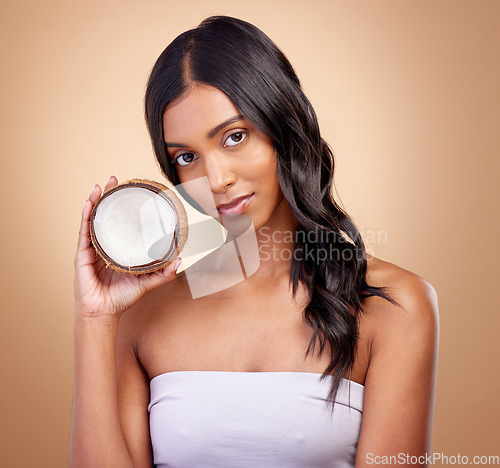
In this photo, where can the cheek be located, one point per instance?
(261, 168)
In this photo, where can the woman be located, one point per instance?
(246, 376)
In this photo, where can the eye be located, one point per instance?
(185, 159)
(235, 138)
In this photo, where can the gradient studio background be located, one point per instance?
(407, 93)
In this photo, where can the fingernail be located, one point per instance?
(177, 264)
(85, 202)
(109, 180)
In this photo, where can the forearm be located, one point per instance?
(96, 436)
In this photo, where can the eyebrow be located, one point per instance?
(211, 133)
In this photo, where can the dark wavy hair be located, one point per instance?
(240, 60)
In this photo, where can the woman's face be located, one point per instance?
(207, 137)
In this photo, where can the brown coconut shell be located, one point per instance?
(180, 234)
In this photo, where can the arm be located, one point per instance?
(96, 436)
(110, 425)
(133, 393)
(400, 383)
(103, 426)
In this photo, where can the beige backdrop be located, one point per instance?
(407, 93)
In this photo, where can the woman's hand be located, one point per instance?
(101, 291)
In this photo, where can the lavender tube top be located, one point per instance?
(219, 419)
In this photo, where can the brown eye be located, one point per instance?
(185, 159)
(235, 138)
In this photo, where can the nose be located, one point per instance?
(219, 172)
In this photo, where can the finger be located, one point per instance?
(84, 234)
(95, 194)
(112, 182)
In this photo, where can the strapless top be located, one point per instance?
(252, 419)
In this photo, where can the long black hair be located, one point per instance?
(329, 254)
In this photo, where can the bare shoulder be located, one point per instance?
(416, 296)
(400, 381)
(406, 287)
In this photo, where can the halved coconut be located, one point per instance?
(139, 226)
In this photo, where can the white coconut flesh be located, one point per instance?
(135, 226)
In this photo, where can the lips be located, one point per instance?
(235, 206)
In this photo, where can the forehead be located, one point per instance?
(200, 108)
